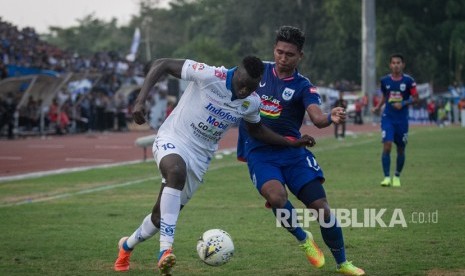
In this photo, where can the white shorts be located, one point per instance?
(196, 163)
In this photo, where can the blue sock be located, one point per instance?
(297, 231)
(334, 240)
(386, 161)
(126, 247)
(400, 163)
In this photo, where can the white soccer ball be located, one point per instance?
(215, 247)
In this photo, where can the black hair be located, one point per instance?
(254, 66)
(397, 55)
(291, 35)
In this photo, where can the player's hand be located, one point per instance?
(138, 113)
(338, 115)
(397, 105)
(304, 141)
(375, 110)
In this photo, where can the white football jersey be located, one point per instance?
(205, 111)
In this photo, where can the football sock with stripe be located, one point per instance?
(386, 161)
(400, 163)
(145, 231)
(334, 239)
(170, 203)
(295, 230)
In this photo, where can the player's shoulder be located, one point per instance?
(409, 78)
(386, 78)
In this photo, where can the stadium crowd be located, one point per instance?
(22, 52)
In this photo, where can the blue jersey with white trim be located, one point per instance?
(396, 91)
(283, 106)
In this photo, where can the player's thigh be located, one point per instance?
(387, 130)
(401, 134)
(263, 171)
(196, 163)
(302, 170)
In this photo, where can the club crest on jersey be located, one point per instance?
(245, 105)
(288, 93)
(402, 87)
(198, 66)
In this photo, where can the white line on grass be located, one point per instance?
(133, 182)
(81, 192)
(11, 158)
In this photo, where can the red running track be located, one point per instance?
(35, 154)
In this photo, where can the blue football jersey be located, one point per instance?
(283, 106)
(397, 90)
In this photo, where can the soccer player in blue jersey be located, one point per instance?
(286, 95)
(398, 92)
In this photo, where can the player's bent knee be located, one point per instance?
(311, 192)
(277, 200)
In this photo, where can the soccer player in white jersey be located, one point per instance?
(215, 99)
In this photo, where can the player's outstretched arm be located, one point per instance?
(321, 120)
(159, 68)
(261, 132)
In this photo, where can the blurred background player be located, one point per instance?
(286, 96)
(398, 92)
(215, 99)
(340, 102)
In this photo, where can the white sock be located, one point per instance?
(170, 204)
(145, 231)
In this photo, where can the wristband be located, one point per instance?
(407, 102)
(329, 118)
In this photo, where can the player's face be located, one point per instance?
(243, 84)
(396, 65)
(286, 56)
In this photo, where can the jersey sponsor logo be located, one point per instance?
(198, 66)
(220, 74)
(288, 93)
(388, 86)
(402, 87)
(395, 96)
(270, 110)
(313, 89)
(245, 105)
(217, 93)
(212, 121)
(262, 85)
(221, 114)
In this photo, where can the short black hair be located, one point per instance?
(397, 55)
(291, 35)
(254, 66)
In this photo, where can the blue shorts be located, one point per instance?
(293, 167)
(394, 131)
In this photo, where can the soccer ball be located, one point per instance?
(215, 247)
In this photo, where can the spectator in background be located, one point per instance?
(340, 103)
(122, 111)
(7, 109)
(3, 71)
(358, 119)
(431, 109)
(58, 117)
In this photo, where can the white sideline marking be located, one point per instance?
(103, 188)
(12, 158)
(112, 147)
(93, 160)
(46, 146)
(113, 186)
(81, 192)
